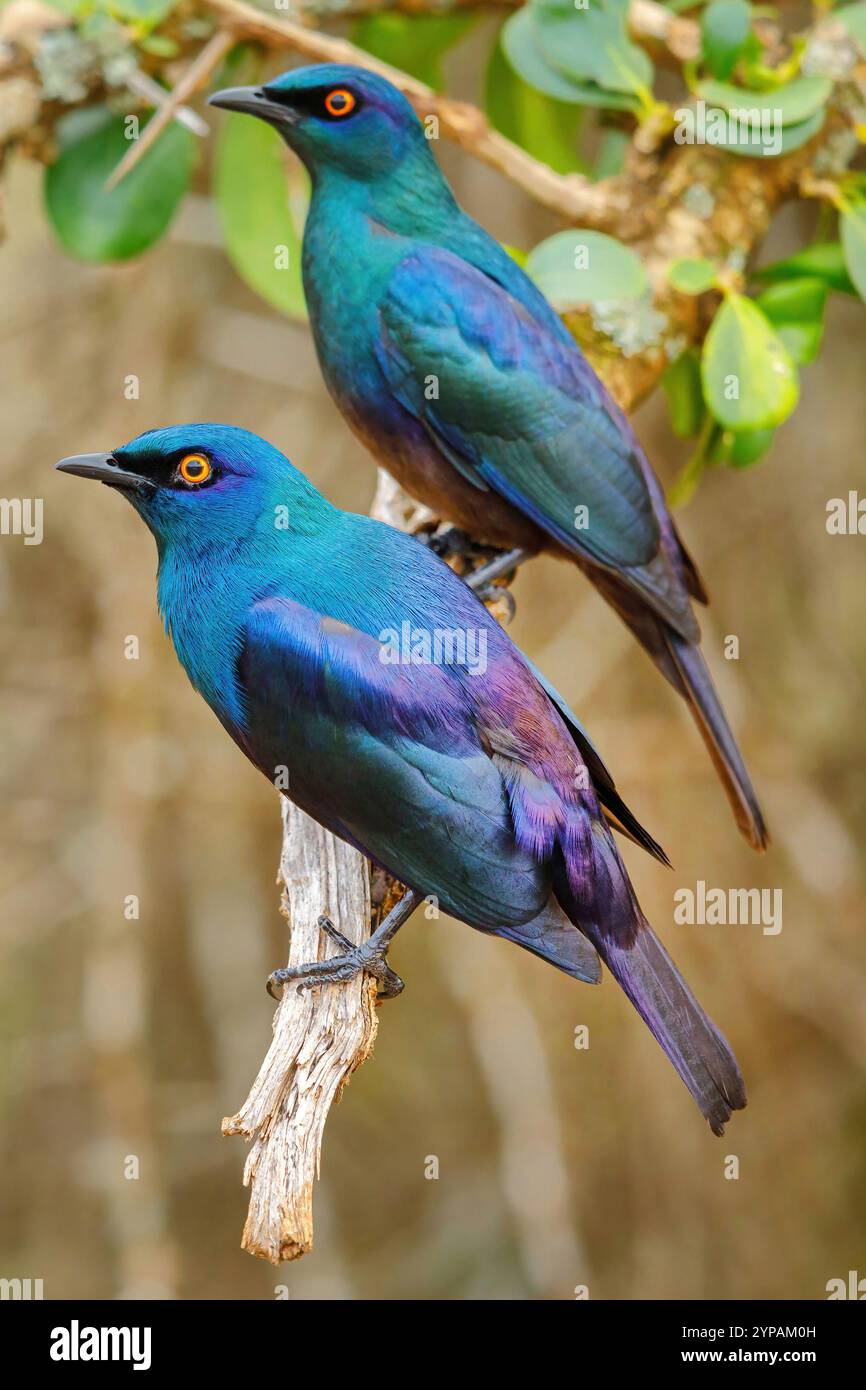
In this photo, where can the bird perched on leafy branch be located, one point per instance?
(312, 635)
(461, 379)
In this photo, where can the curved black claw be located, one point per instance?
(371, 960)
(390, 983)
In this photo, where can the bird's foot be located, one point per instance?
(354, 959)
(477, 565)
(498, 594)
(456, 547)
(504, 565)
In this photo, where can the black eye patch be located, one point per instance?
(331, 103)
(161, 470)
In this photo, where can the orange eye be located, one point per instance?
(194, 468)
(340, 102)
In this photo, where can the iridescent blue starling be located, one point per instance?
(467, 779)
(457, 374)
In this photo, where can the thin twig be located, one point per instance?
(647, 19)
(680, 35)
(196, 74)
(141, 84)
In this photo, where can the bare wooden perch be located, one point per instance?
(320, 1036)
(195, 76)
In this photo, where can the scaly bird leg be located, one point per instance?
(369, 956)
(481, 580)
(502, 564)
(453, 543)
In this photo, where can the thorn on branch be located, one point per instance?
(195, 76)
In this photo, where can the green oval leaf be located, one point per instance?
(682, 387)
(520, 45)
(794, 301)
(580, 267)
(795, 308)
(852, 227)
(160, 45)
(743, 449)
(692, 276)
(725, 26)
(749, 379)
(824, 260)
(769, 141)
(96, 224)
(749, 447)
(251, 187)
(793, 102)
(547, 129)
(592, 45)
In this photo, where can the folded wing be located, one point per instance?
(516, 410)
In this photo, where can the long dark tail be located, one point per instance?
(645, 972)
(667, 1006)
(680, 661)
(709, 716)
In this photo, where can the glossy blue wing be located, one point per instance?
(389, 756)
(516, 409)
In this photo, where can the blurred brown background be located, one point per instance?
(123, 1038)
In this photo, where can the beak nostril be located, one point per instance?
(104, 468)
(267, 104)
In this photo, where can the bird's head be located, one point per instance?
(205, 486)
(335, 116)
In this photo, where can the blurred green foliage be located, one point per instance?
(98, 224)
(262, 239)
(725, 29)
(585, 267)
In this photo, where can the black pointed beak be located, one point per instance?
(105, 469)
(253, 101)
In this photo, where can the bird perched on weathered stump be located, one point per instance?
(312, 634)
